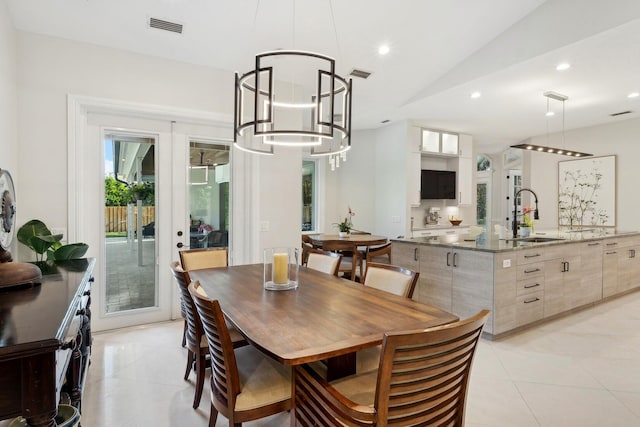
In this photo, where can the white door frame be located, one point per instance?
(81, 165)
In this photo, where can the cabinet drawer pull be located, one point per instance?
(532, 256)
(455, 258)
(611, 253)
(531, 286)
(612, 244)
(450, 232)
(532, 271)
(448, 262)
(529, 301)
(594, 244)
(632, 253)
(415, 254)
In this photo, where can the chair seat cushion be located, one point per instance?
(262, 380)
(359, 388)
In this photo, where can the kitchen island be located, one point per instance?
(522, 281)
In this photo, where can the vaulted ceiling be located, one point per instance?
(440, 52)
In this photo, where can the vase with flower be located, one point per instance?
(526, 226)
(344, 227)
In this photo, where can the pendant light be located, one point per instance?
(546, 148)
(293, 98)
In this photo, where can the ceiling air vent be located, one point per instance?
(621, 113)
(161, 24)
(359, 73)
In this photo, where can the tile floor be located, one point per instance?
(581, 370)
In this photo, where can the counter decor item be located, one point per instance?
(455, 221)
(526, 226)
(344, 227)
(281, 266)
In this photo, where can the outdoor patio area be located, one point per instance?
(130, 285)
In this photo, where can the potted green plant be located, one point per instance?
(37, 237)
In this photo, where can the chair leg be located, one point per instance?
(213, 416)
(184, 334)
(189, 364)
(200, 364)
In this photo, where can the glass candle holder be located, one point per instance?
(281, 268)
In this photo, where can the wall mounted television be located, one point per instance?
(435, 184)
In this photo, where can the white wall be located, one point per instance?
(355, 184)
(8, 97)
(390, 171)
(619, 138)
(50, 68)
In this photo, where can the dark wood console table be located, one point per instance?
(45, 342)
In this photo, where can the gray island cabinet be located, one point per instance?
(521, 282)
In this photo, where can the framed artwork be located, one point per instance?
(587, 192)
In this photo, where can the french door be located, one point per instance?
(150, 151)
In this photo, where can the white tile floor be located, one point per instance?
(581, 370)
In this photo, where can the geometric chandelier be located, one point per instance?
(545, 148)
(293, 98)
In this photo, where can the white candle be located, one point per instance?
(280, 268)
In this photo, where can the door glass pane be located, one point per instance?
(209, 213)
(482, 204)
(431, 141)
(450, 143)
(308, 195)
(130, 217)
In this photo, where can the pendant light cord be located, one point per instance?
(335, 31)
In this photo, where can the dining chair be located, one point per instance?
(325, 261)
(377, 253)
(245, 383)
(351, 258)
(306, 246)
(195, 342)
(422, 379)
(391, 278)
(195, 339)
(197, 259)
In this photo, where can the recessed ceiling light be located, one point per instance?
(633, 95)
(563, 66)
(550, 113)
(384, 49)
(475, 95)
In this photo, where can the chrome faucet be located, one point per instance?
(515, 209)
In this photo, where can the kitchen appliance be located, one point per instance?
(433, 216)
(437, 184)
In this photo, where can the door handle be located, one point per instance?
(180, 245)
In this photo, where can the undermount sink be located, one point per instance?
(538, 239)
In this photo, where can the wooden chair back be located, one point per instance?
(422, 379)
(265, 388)
(376, 253)
(325, 261)
(194, 326)
(351, 258)
(197, 259)
(391, 278)
(225, 382)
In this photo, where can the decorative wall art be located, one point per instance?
(587, 192)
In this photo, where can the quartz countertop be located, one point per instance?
(489, 242)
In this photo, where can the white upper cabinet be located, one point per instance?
(436, 142)
(413, 167)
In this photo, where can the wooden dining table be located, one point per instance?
(325, 318)
(352, 242)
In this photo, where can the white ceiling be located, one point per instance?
(441, 51)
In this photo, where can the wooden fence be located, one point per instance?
(115, 217)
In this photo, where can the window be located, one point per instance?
(309, 195)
